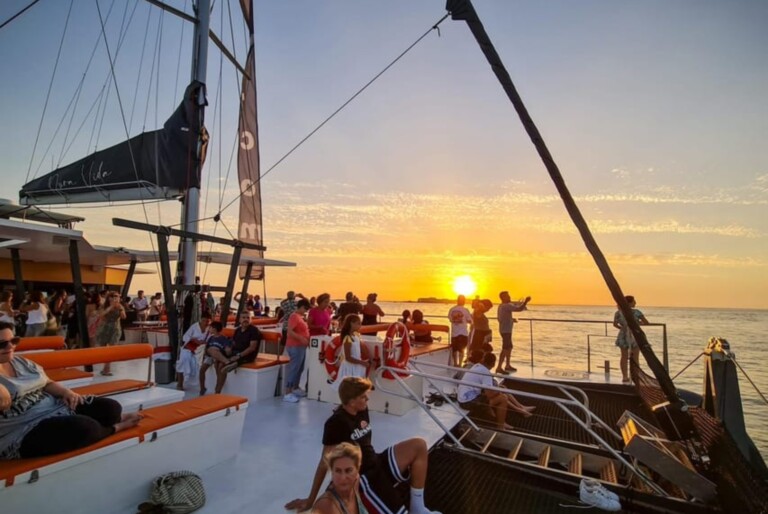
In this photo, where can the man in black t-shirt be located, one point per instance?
(350, 306)
(379, 472)
(246, 340)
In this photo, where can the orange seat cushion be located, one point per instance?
(428, 348)
(85, 356)
(265, 362)
(59, 375)
(155, 419)
(41, 343)
(112, 387)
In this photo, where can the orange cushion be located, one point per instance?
(427, 328)
(265, 362)
(154, 419)
(370, 329)
(427, 348)
(41, 343)
(85, 356)
(112, 387)
(59, 375)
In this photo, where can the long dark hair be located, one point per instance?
(346, 326)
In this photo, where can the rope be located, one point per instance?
(48, 94)
(125, 127)
(750, 381)
(337, 111)
(9, 20)
(141, 68)
(688, 366)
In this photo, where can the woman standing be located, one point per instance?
(7, 314)
(481, 329)
(352, 364)
(371, 311)
(319, 317)
(37, 315)
(109, 330)
(92, 317)
(625, 340)
(297, 341)
(341, 496)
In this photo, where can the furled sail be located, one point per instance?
(153, 165)
(248, 168)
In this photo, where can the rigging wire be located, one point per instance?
(337, 111)
(125, 126)
(9, 20)
(141, 68)
(50, 87)
(181, 44)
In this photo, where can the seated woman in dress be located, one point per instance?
(40, 417)
(341, 496)
(420, 335)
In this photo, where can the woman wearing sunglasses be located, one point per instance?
(40, 417)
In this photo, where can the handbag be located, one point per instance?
(178, 492)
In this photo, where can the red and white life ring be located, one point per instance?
(332, 353)
(397, 336)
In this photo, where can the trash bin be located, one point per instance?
(164, 372)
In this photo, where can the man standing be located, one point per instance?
(379, 473)
(506, 322)
(140, 304)
(459, 316)
(350, 306)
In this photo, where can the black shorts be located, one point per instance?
(459, 343)
(377, 485)
(506, 341)
(479, 408)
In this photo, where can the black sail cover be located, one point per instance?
(248, 168)
(158, 164)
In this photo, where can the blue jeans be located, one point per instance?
(35, 329)
(295, 367)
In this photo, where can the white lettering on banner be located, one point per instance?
(245, 187)
(247, 140)
(249, 231)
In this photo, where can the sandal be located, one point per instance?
(106, 374)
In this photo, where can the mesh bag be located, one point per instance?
(178, 492)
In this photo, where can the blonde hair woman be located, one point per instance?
(341, 496)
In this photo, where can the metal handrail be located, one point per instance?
(378, 382)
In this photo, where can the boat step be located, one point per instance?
(488, 442)
(465, 434)
(608, 473)
(515, 450)
(544, 456)
(574, 465)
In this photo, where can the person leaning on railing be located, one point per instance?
(41, 417)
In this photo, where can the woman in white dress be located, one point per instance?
(352, 363)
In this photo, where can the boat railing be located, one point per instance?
(607, 330)
(564, 404)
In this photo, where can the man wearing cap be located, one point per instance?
(506, 322)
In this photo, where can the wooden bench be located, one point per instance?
(30, 344)
(114, 475)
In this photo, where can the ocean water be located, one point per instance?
(563, 345)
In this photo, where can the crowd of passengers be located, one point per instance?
(41, 417)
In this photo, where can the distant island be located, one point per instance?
(432, 299)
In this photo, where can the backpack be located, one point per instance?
(178, 492)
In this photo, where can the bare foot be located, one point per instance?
(128, 421)
(524, 413)
(530, 408)
(506, 426)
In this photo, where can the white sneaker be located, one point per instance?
(291, 398)
(299, 393)
(593, 493)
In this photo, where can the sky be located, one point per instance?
(655, 112)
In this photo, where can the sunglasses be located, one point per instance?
(9, 342)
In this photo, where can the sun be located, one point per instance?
(464, 285)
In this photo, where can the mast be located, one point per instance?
(191, 211)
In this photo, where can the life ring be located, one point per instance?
(332, 352)
(397, 335)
